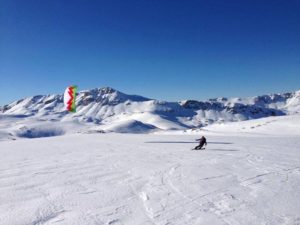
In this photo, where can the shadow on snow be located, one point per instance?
(186, 142)
(222, 150)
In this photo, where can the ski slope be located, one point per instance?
(140, 179)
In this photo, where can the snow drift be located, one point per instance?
(39, 131)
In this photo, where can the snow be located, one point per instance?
(280, 125)
(245, 176)
(108, 107)
(129, 126)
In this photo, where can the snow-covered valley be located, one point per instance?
(242, 177)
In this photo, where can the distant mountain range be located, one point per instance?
(112, 110)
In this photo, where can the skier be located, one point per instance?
(202, 141)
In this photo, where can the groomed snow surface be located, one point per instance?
(248, 174)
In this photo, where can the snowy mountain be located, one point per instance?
(248, 174)
(110, 110)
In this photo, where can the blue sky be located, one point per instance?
(164, 49)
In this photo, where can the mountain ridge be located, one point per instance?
(114, 110)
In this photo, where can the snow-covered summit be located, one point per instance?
(48, 103)
(106, 96)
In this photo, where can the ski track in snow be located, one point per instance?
(115, 179)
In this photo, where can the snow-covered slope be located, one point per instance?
(288, 126)
(110, 110)
(114, 179)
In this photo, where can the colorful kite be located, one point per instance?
(70, 98)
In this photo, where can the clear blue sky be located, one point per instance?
(164, 49)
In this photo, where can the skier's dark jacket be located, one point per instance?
(202, 141)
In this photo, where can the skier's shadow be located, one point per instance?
(186, 142)
(220, 143)
(223, 150)
(170, 142)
